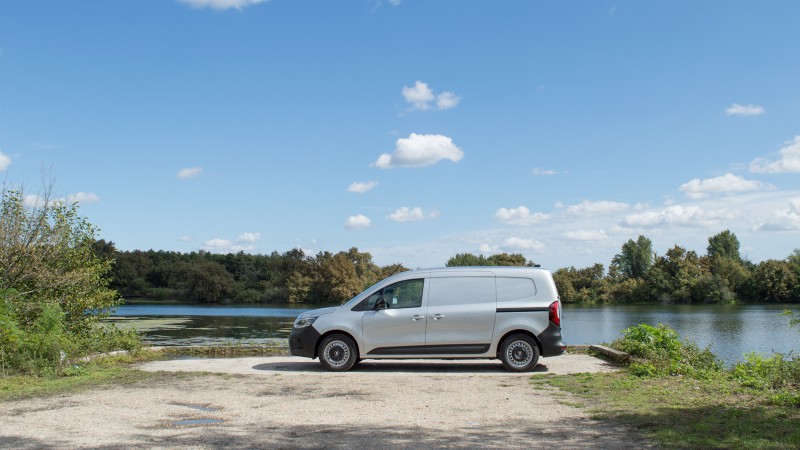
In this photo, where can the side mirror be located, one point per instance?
(380, 304)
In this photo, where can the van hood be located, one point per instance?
(317, 312)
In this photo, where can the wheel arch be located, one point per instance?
(331, 332)
(517, 331)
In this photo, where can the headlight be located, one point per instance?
(304, 322)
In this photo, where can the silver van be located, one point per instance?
(509, 313)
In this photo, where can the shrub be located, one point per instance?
(660, 352)
(778, 372)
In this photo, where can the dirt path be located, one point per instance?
(283, 402)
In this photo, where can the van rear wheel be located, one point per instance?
(519, 353)
(337, 353)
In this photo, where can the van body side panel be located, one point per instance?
(399, 328)
(522, 304)
(389, 328)
(461, 314)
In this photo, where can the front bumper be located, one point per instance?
(552, 341)
(303, 341)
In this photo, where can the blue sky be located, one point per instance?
(411, 129)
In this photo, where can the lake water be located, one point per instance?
(730, 330)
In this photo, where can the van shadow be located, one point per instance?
(394, 366)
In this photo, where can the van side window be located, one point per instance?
(403, 294)
(461, 291)
(514, 289)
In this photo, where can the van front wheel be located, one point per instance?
(519, 353)
(337, 353)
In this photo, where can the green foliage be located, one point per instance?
(776, 281)
(52, 286)
(586, 285)
(47, 257)
(635, 258)
(711, 289)
(499, 259)
(636, 275)
(291, 277)
(46, 346)
(208, 282)
(673, 275)
(724, 244)
(661, 353)
(775, 373)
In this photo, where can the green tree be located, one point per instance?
(47, 257)
(209, 282)
(467, 259)
(499, 259)
(506, 259)
(775, 281)
(724, 244)
(635, 258)
(673, 275)
(338, 279)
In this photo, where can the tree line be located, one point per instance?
(290, 277)
(636, 275)
(680, 276)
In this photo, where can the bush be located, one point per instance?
(660, 353)
(778, 372)
(46, 346)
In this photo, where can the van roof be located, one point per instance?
(496, 269)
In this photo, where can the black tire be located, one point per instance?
(519, 353)
(337, 353)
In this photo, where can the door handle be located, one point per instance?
(416, 318)
(437, 316)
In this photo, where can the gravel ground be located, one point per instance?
(284, 402)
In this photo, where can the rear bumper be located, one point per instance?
(552, 341)
(303, 341)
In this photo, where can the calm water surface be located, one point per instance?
(730, 330)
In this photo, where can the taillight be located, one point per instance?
(555, 313)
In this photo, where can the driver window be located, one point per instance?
(405, 294)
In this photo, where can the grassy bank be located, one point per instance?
(116, 370)
(678, 396)
(79, 376)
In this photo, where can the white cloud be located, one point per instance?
(538, 171)
(744, 110)
(83, 197)
(598, 207)
(784, 219)
(249, 238)
(697, 188)
(222, 4)
(447, 100)
(585, 235)
(361, 187)
(421, 96)
(406, 214)
(520, 216)
(691, 216)
(486, 248)
(189, 172)
(789, 161)
(515, 244)
(5, 161)
(395, 2)
(186, 239)
(420, 150)
(218, 245)
(357, 222)
(36, 201)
